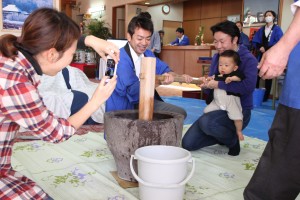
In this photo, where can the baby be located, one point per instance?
(223, 100)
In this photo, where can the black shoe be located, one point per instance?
(235, 150)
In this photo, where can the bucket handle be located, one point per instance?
(160, 185)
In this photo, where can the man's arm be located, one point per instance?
(102, 47)
(175, 42)
(185, 41)
(163, 69)
(275, 59)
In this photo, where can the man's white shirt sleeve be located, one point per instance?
(294, 6)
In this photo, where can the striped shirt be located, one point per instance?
(21, 106)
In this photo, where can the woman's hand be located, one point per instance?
(101, 94)
(102, 47)
(104, 90)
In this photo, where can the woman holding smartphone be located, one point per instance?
(46, 45)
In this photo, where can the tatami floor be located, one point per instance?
(82, 166)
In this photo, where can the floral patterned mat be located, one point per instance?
(80, 169)
(84, 129)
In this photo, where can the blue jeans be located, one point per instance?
(213, 128)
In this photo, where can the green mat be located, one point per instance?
(80, 169)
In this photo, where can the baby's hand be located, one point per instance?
(212, 84)
(202, 79)
(228, 80)
(205, 80)
(240, 135)
(209, 78)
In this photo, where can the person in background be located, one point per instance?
(216, 127)
(249, 19)
(155, 45)
(67, 92)
(228, 72)
(266, 37)
(244, 39)
(161, 35)
(181, 40)
(260, 17)
(22, 60)
(127, 92)
(277, 173)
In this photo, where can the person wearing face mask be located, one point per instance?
(260, 17)
(266, 37)
(277, 174)
(249, 19)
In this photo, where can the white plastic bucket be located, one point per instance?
(163, 171)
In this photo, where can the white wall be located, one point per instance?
(176, 14)
(287, 15)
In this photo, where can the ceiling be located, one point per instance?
(157, 2)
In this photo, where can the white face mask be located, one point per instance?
(269, 19)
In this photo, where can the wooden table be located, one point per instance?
(183, 59)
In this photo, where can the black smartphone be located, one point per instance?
(111, 68)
